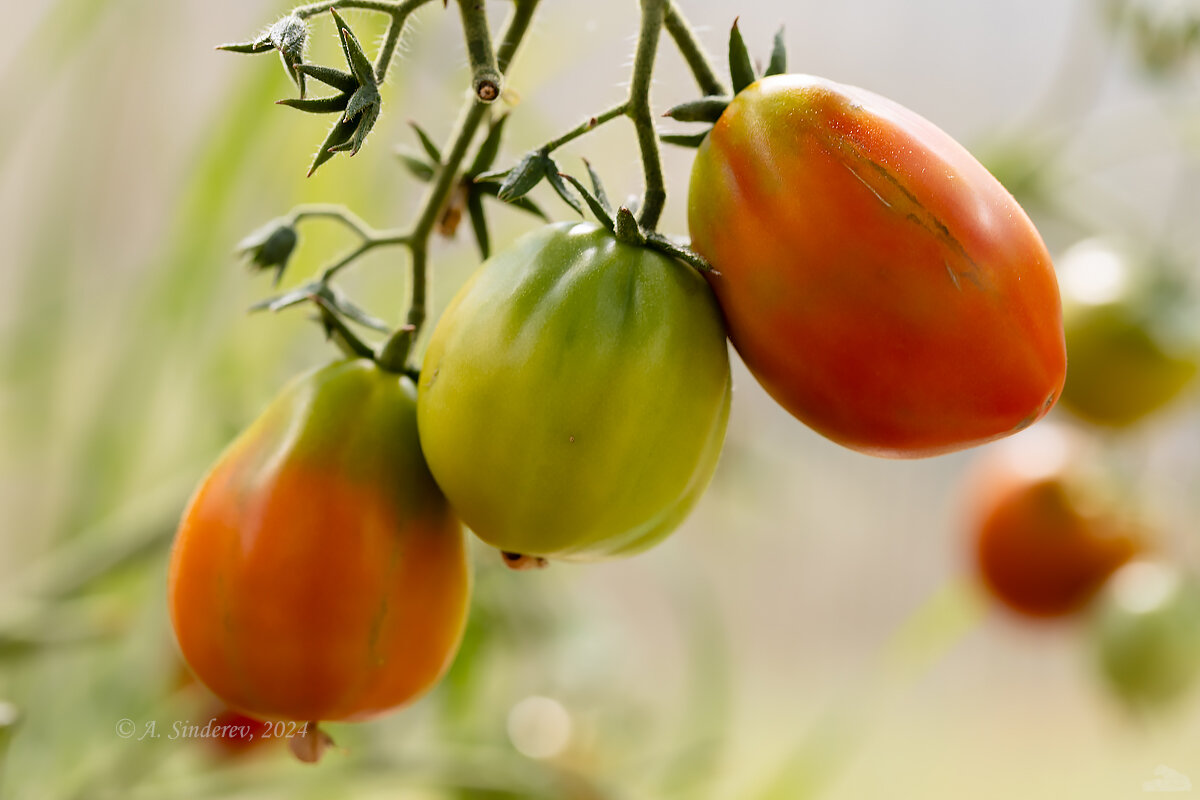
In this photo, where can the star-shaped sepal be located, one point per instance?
(358, 101)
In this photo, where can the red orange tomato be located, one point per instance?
(318, 573)
(1042, 546)
(876, 279)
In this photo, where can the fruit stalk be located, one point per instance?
(472, 114)
(654, 196)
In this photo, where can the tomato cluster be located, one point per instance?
(573, 399)
(1049, 541)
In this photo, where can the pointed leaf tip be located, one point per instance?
(596, 203)
(741, 68)
(778, 63)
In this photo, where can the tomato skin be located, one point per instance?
(1039, 550)
(574, 396)
(1146, 633)
(878, 282)
(318, 573)
(1132, 344)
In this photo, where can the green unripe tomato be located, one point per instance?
(1147, 633)
(1132, 342)
(573, 400)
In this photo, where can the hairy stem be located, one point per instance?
(393, 7)
(460, 139)
(693, 52)
(397, 9)
(586, 126)
(655, 195)
(485, 73)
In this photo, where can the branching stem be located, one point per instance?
(397, 9)
(471, 116)
(586, 126)
(656, 15)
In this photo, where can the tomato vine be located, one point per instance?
(442, 167)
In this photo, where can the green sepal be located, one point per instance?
(421, 169)
(339, 333)
(706, 109)
(360, 65)
(523, 203)
(599, 209)
(326, 296)
(366, 121)
(316, 105)
(342, 81)
(342, 305)
(366, 96)
(519, 180)
(597, 187)
(292, 297)
(684, 139)
(392, 355)
(554, 177)
(778, 63)
(663, 244)
(427, 143)
(741, 68)
(490, 148)
(479, 222)
(260, 45)
(340, 132)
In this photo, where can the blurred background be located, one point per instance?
(813, 630)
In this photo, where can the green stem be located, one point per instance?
(447, 176)
(655, 195)
(398, 11)
(693, 52)
(485, 73)
(586, 126)
(329, 211)
(388, 49)
(368, 244)
(383, 6)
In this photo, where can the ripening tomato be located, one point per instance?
(318, 572)
(879, 283)
(1043, 543)
(1147, 633)
(574, 396)
(1131, 335)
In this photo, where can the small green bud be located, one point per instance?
(271, 246)
(289, 35)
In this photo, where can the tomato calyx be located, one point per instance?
(519, 562)
(742, 71)
(624, 225)
(310, 744)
